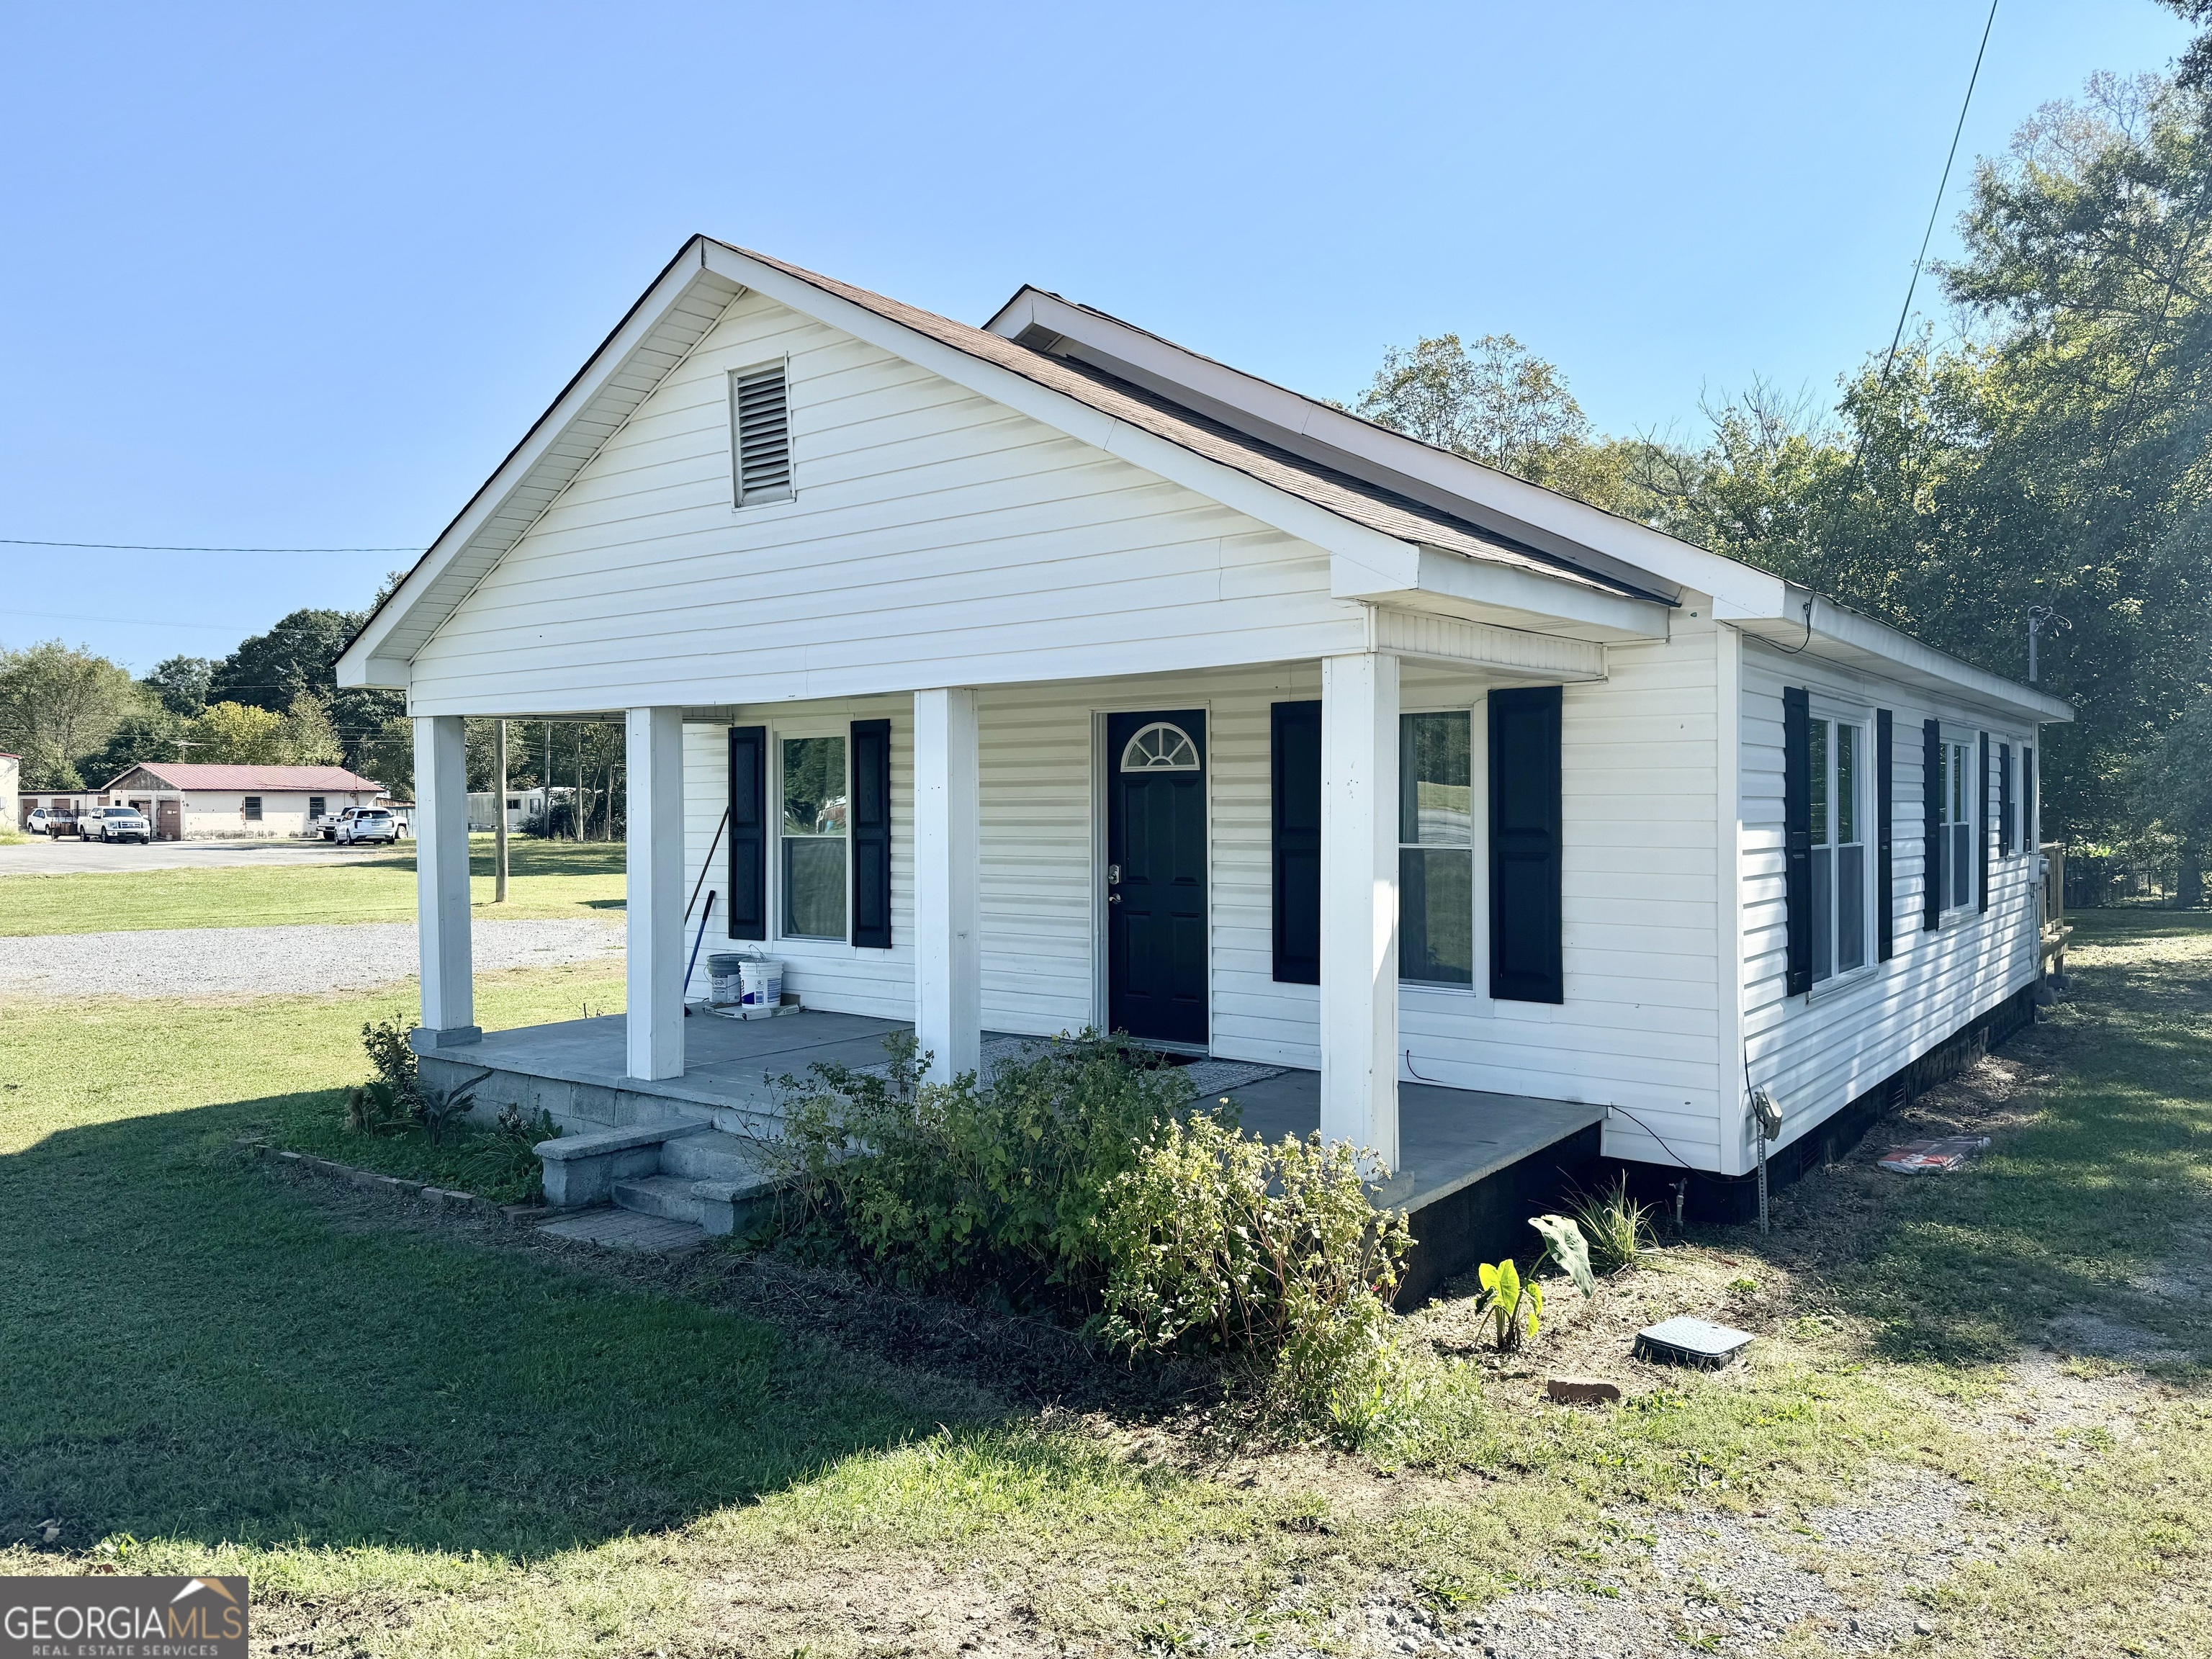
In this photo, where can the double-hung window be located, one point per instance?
(815, 794)
(1436, 849)
(1840, 765)
(1954, 851)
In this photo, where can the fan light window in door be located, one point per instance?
(1160, 747)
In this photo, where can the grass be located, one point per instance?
(420, 1442)
(545, 879)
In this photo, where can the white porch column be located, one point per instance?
(1359, 902)
(948, 959)
(654, 755)
(441, 882)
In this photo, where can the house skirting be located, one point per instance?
(1734, 1199)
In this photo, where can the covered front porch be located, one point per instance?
(1473, 1164)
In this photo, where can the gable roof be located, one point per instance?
(1310, 479)
(1293, 461)
(192, 774)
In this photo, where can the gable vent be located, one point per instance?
(760, 422)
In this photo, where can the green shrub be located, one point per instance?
(1271, 1256)
(501, 1161)
(983, 1188)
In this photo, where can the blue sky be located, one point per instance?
(293, 276)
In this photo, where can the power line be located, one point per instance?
(149, 547)
(1937, 207)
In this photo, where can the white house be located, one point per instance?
(186, 800)
(1045, 675)
(10, 772)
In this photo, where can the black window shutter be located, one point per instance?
(2028, 842)
(747, 832)
(1524, 845)
(1296, 770)
(1982, 823)
(1885, 801)
(1932, 796)
(1797, 839)
(871, 834)
(2004, 799)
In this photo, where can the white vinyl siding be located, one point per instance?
(1821, 1053)
(935, 526)
(1638, 1024)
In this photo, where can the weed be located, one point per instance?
(1618, 1228)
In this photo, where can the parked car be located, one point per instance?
(61, 820)
(35, 824)
(359, 825)
(114, 823)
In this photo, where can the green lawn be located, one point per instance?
(420, 1441)
(545, 879)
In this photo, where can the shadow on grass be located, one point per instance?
(196, 1351)
(2079, 1211)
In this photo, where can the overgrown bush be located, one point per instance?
(989, 1189)
(1272, 1256)
(395, 1099)
(502, 1161)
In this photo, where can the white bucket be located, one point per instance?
(760, 981)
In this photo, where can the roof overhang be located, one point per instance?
(1544, 518)
(669, 319)
(1817, 627)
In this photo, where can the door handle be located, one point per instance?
(1112, 898)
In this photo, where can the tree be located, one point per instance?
(1499, 403)
(237, 734)
(181, 683)
(150, 734)
(2170, 789)
(306, 735)
(57, 705)
(268, 670)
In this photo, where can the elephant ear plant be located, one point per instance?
(1516, 1304)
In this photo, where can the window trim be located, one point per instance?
(800, 729)
(1476, 848)
(1835, 713)
(1960, 744)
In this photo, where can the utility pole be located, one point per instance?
(499, 816)
(2041, 617)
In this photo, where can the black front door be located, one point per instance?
(1156, 955)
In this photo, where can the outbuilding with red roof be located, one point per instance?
(190, 800)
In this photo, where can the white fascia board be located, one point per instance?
(1516, 598)
(1839, 634)
(1544, 518)
(1360, 558)
(353, 668)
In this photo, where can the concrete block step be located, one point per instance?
(667, 1196)
(714, 1156)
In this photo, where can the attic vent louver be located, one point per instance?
(760, 427)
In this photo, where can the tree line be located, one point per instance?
(79, 721)
(2052, 450)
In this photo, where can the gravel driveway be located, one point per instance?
(263, 961)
